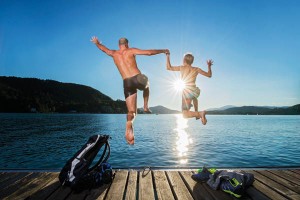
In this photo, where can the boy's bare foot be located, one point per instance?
(202, 116)
(129, 134)
(147, 110)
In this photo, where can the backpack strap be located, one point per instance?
(108, 154)
(100, 161)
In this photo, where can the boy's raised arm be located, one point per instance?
(101, 46)
(169, 66)
(209, 72)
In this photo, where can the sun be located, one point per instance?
(179, 85)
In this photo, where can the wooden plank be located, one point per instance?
(280, 180)
(3, 175)
(276, 186)
(293, 173)
(11, 178)
(117, 188)
(267, 191)
(253, 193)
(146, 185)
(131, 186)
(47, 190)
(32, 187)
(98, 193)
(87, 194)
(286, 176)
(78, 195)
(289, 174)
(197, 189)
(178, 186)
(162, 186)
(60, 194)
(11, 188)
(296, 171)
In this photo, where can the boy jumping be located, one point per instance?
(190, 92)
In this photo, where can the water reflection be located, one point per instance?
(183, 139)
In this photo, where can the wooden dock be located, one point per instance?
(148, 184)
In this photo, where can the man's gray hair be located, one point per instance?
(123, 41)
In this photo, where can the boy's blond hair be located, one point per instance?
(189, 58)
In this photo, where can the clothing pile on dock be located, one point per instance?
(234, 182)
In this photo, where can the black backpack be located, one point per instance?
(77, 172)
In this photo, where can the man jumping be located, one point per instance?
(125, 61)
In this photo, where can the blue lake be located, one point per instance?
(47, 141)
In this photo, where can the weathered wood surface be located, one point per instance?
(149, 184)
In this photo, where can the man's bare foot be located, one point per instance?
(129, 134)
(202, 116)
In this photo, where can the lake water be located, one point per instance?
(47, 141)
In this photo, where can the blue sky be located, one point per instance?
(255, 45)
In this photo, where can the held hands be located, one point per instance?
(210, 62)
(167, 52)
(95, 40)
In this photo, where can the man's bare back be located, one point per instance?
(126, 62)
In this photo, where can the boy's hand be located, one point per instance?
(167, 52)
(95, 40)
(210, 62)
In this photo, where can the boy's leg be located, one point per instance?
(190, 114)
(195, 102)
(146, 94)
(131, 107)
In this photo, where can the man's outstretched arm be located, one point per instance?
(209, 72)
(169, 66)
(101, 46)
(149, 52)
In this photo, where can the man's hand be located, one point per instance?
(210, 62)
(95, 40)
(167, 52)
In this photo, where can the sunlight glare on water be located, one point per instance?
(183, 140)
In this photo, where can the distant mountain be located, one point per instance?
(221, 108)
(35, 95)
(258, 110)
(159, 110)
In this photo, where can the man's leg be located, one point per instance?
(146, 94)
(131, 107)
